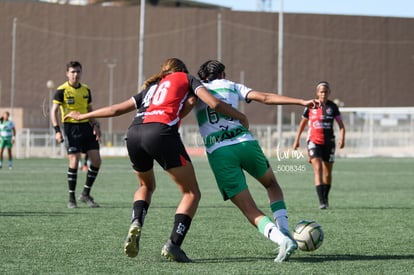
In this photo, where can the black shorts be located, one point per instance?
(155, 141)
(79, 138)
(324, 151)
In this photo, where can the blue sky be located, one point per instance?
(387, 8)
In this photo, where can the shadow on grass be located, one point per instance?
(369, 207)
(174, 206)
(233, 259)
(309, 259)
(29, 214)
(349, 257)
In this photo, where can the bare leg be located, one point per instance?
(94, 158)
(1, 156)
(73, 160)
(317, 169)
(274, 192)
(276, 200)
(184, 177)
(244, 201)
(146, 182)
(327, 172)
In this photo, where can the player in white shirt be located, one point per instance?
(232, 149)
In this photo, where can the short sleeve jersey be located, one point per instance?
(320, 122)
(73, 99)
(163, 103)
(218, 130)
(6, 129)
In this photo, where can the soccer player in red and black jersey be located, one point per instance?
(321, 140)
(153, 135)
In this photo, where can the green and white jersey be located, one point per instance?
(218, 130)
(6, 129)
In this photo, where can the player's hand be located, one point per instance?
(59, 137)
(74, 114)
(313, 103)
(295, 145)
(97, 132)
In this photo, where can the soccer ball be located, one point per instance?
(308, 235)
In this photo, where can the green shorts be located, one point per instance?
(229, 162)
(6, 142)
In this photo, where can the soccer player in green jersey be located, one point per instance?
(7, 136)
(232, 149)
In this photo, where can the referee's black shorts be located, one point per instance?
(79, 138)
(155, 141)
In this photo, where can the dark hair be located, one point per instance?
(211, 70)
(73, 64)
(323, 83)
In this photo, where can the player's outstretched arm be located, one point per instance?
(275, 99)
(108, 111)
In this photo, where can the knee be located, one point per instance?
(95, 161)
(269, 180)
(195, 195)
(149, 187)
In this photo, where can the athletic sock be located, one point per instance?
(182, 223)
(139, 211)
(280, 214)
(270, 230)
(90, 179)
(319, 191)
(72, 176)
(326, 189)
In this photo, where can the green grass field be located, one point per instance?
(368, 229)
